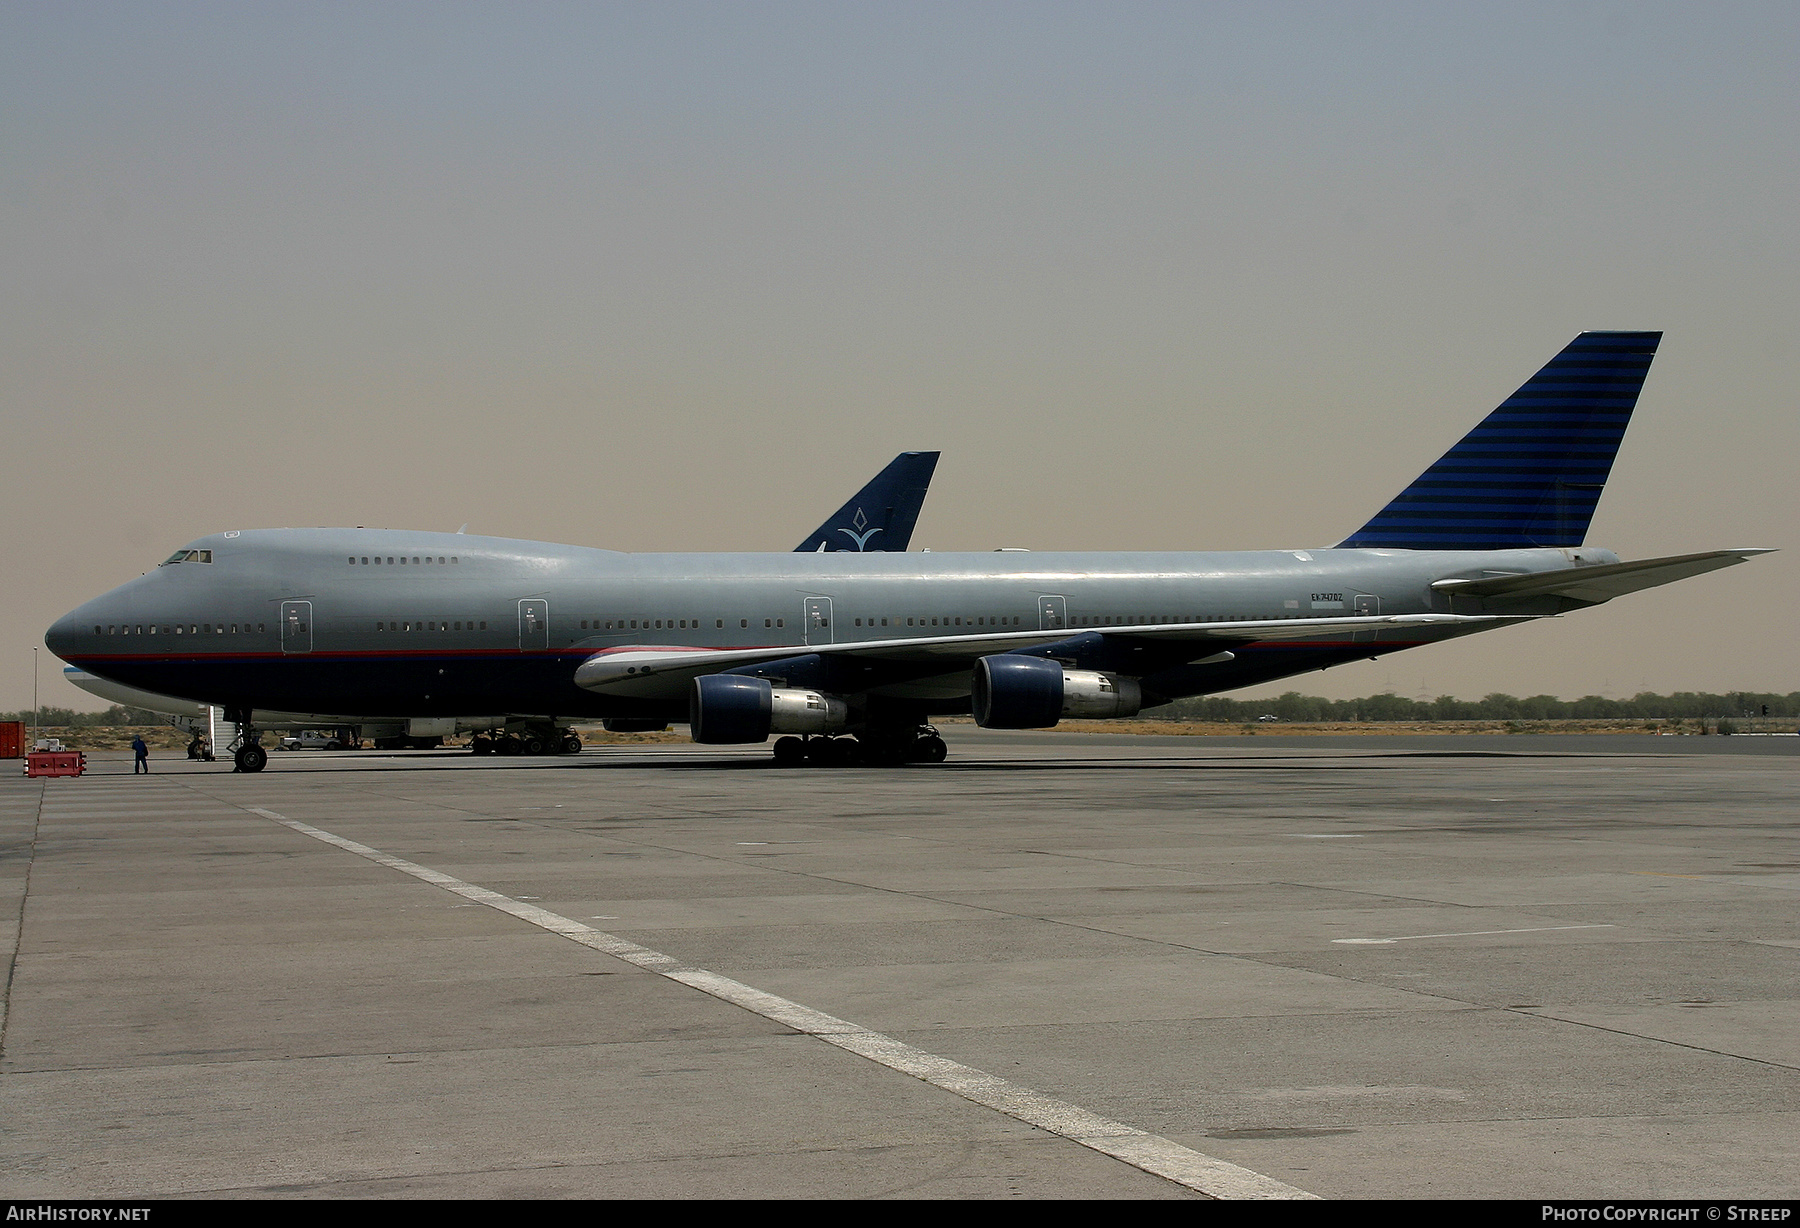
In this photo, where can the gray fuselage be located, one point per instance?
(394, 623)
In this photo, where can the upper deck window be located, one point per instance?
(188, 556)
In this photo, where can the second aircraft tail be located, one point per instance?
(880, 516)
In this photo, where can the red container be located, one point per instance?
(12, 739)
(55, 763)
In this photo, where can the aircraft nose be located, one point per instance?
(66, 634)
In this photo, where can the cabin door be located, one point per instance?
(296, 626)
(1053, 614)
(534, 625)
(815, 618)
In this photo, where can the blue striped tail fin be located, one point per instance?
(1531, 473)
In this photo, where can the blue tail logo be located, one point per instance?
(1531, 473)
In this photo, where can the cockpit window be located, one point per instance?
(189, 556)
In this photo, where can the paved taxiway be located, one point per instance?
(1543, 967)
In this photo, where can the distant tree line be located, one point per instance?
(118, 714)
(1293, 706)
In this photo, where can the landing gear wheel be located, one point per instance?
(535, 745)
(250, 759)
(571, 744)
(481, 746)
(789, 752)
(509, 746)
(929, 749)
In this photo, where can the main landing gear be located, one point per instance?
(875, 748)
(531, 740)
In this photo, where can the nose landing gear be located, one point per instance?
(247, 753)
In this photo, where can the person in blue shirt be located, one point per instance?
(142, 752)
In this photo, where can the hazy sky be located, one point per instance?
(680, 276)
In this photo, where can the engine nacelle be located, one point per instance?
(1033, 693)
(726, 708)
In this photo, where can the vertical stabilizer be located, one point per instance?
(880, 516)
(1531, 473)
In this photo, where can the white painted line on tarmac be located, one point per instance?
(1152, 1153)
(1536, 929)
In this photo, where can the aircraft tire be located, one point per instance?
(789, 752)
(481, 746)
(535, 745)
(822, 752)
(509, 746)
(251, 759)
(930, 749)
(571, 744)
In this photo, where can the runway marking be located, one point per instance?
(1152, 1153)
(1536, 929)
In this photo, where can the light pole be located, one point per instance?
(34, 697)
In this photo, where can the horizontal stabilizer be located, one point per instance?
(1531, 473)
(1592, 585)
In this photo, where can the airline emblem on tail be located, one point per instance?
(861, 533)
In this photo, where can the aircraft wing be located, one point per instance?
(1594, 585)
(656, 672)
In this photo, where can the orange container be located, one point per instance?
(12, 739)
(55, 763)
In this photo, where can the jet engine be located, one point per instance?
(726, 708)
(1034, 693)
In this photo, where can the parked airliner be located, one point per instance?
(855, 653)
(881, 516)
